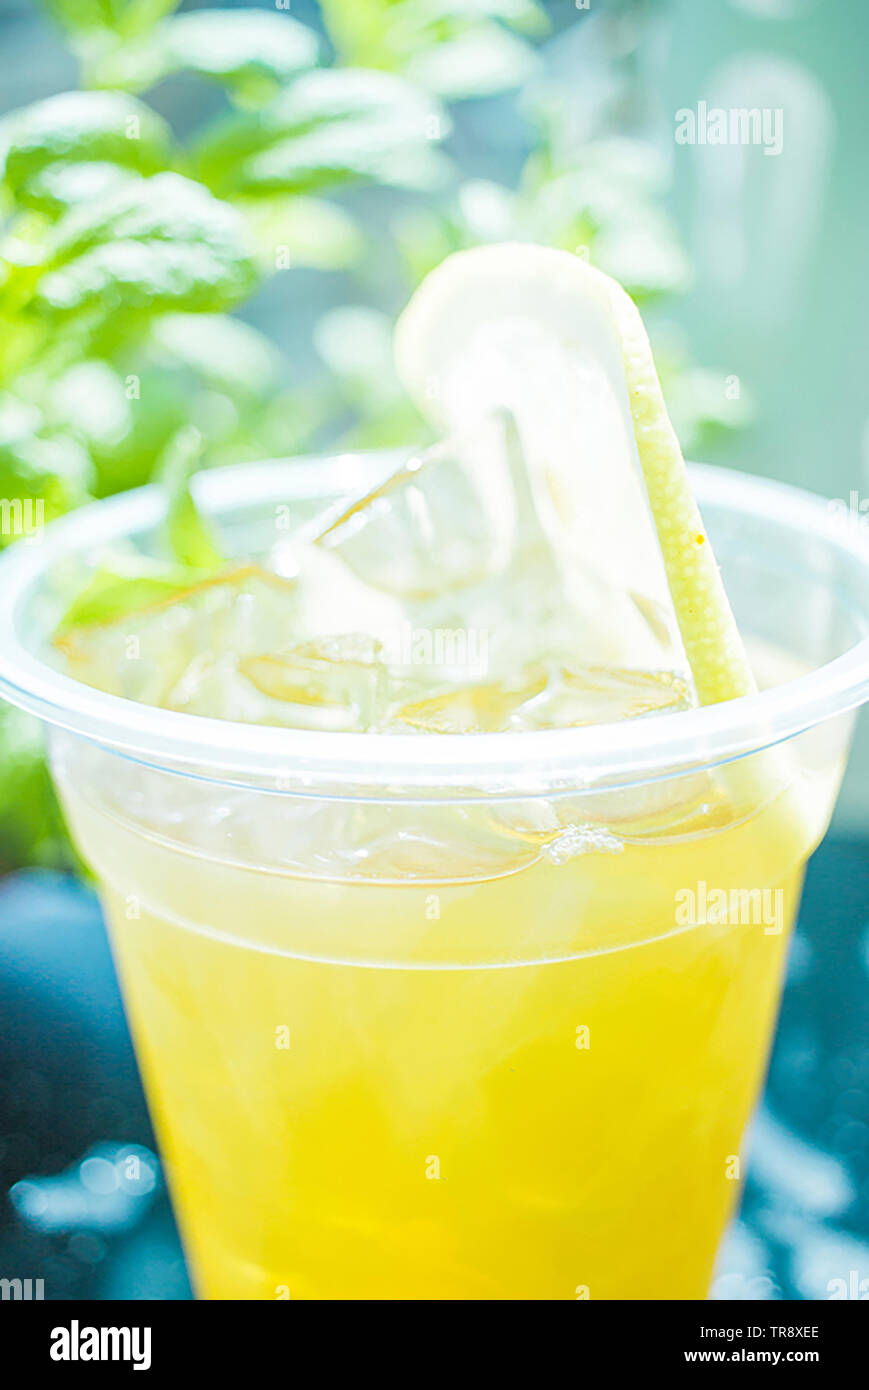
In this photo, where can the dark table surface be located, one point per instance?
(71, 1106)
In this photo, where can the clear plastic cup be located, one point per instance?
(456, 1016)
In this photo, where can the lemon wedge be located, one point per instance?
(543, 334)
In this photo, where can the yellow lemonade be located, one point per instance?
(455, 978)
(504, 1082)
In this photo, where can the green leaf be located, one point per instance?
(157, 244)
(191, 540)
(37, 463)
(423, 18)
(477, 63)
(330, 127)
(76, 128)
(608, 203)
(389, 33)
(359, 29)
(167, 207)
(350, 94)
(117, 16)
(82, 16)
(250, 51)
(54, 471)
(123, 424)
(60, 187)
(345, 154)
(159, 404)
(125, 585)
(143, 276)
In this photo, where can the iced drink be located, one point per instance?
(448, 849)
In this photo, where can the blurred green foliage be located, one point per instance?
(457, 48)
(584, 188)
(123, 253)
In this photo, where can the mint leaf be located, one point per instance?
(345, 94)
(250, 51)
(422, 17)
(337, 154)
(116, 589)
(60, 187)
(329, 127)
(191, 540)
(52, 470)
(86, 17)
(76, 128)
(156, 244)
(478, 63)
(383, 34)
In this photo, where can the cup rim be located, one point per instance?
(501, 764)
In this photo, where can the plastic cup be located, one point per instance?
(455, 1016)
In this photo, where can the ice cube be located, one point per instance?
(152, 653)
(222, 688)
(547, 697)
(339, 680)
(436, 603)
(435, 564)
(457, 538)
(332, 599)
(483, 708)
(599, 695)
(448, 518)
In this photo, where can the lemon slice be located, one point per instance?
(544, 335)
